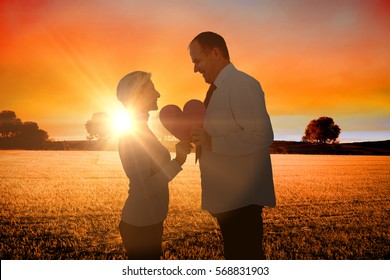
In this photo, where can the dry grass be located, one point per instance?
(66, 205)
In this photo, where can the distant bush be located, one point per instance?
(15, 134)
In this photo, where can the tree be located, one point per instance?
(31, 137)
(9, 124)
(15, 134)
(99, 127)
(322, 130)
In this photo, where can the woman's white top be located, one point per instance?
(148, 165)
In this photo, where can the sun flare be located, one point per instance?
(122, 122)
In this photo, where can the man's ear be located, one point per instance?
(216, 52)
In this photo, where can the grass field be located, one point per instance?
(67, 205)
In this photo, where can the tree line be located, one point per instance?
(322, 130)
(15, 134)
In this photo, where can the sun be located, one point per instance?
(121, 121)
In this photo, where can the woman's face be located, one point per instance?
(148, 97)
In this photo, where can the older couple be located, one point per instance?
(235, 165)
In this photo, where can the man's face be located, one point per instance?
(203, 63)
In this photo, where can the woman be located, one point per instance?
(148, 166)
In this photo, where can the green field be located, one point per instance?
(67, 205)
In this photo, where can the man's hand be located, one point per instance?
(200, 137)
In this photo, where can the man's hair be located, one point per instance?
(209, 40)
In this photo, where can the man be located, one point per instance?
(235, 163)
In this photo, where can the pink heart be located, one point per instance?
(179, 123)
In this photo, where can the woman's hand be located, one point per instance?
(182, 150)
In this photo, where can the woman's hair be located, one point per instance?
(130, 84)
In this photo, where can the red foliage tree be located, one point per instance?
(322, 130)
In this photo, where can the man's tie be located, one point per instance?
(206, 102)
(209, 94)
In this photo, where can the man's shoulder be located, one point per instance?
(234, 73)
(239, 78)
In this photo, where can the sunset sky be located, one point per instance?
(60, 60)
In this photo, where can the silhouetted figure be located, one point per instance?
(148, 166)
(235, 163)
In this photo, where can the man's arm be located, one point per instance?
(255, 131)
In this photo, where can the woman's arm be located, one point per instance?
(137, 164)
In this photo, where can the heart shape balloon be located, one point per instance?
(179, 123)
